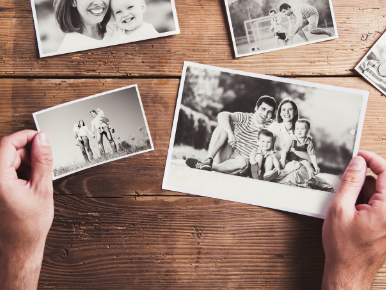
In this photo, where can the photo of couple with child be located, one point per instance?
(99, 128)
(72, 25)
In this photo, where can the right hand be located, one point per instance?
(232, 140)
(354, 231)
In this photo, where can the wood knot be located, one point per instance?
(364, 37)
(62, 254)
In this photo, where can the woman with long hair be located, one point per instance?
(283, 129)
(83, 21)
(84, 142)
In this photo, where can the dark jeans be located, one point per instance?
(84, 145)
(105, 131)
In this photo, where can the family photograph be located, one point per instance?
(262, 26)
(95, 130)
(65, 26)
(258, 133)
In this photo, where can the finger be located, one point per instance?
(351, 184)
(41, 163)
(10, 144)
(23, 156)
(377, 165)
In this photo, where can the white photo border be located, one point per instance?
(370, 51)
(108, 44)
(292, 199)
(237, 55)
(91, 97)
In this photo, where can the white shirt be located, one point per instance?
(146, 30)
(82, 131)
(74, 41)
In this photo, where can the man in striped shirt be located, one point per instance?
(375, 72)
(234, 139)
(299, 16)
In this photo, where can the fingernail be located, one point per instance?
(44, 139)
(356, 163)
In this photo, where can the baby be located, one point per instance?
(300, 148)
(129, 24)
(263, 154)
(278, 27)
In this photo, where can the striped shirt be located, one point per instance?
(305, 9)
(246, 133)
(371, 72)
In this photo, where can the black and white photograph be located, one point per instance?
(262, 26)
(65, 26)
(95, 130)
(262, 140)
(373, 66)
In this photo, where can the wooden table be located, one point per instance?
(114, 227)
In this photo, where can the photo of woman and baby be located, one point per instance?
(72, 25)
(262, 128)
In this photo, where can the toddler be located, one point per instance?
(129, 24)
(263, 154)
(300, 148)
(278, 27)
(101, 115)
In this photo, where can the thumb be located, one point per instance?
(41, 162)
(351, 184)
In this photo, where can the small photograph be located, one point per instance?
(373, 66)
(262, 140)
(263, 26)
(64, 26)
(95, 130)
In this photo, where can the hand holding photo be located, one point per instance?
(64, 26)
(262, 140)
(258, 27)
(373, 66)
(118, 129)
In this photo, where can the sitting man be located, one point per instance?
(234, 139)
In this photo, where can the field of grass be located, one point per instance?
(132, 145)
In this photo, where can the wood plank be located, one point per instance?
(205, 38)
(22, 97)
(181, 243)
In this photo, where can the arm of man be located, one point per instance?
(354, 231)
(252, 158)
(276, 163)
(26, 207)
(225, 120)
(298, 24)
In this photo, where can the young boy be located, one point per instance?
(301, 148)
(278, 27)
(263, 154)
(129, 24)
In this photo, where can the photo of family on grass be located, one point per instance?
(261, 129)
(263, 26)
(95, 130)
(64, 26)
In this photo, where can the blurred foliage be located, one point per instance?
(243, 10)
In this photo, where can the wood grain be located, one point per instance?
(205, 38)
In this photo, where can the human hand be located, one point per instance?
(317, 170)
(354, 236)
(231, 139)
(26, 207)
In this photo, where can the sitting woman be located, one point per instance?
(83, 21)
(294, 173)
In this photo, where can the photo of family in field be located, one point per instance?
(95, 130)
(262, 130)
(259, 26)
(64, 26)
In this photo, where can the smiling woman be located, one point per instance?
(83, 21)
